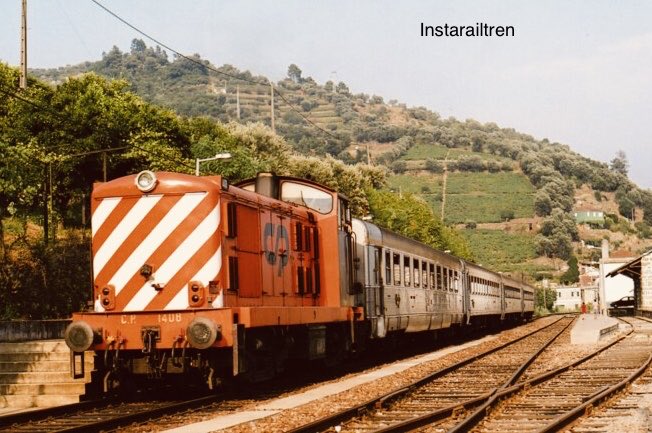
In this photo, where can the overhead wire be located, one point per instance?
(209, 67)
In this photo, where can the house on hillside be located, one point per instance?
(589, 217)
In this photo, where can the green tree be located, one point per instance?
(294, 73)
(572, 274)
(413, 217)
(399, 166)
(506, 214)
(620, 164)
(545, 299)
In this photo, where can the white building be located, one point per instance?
(569, 298)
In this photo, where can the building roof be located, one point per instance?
(630, 269)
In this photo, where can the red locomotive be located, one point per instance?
(194, 276)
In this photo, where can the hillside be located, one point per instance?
(502, 187)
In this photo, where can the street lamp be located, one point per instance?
(212, 158)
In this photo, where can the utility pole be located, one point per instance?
(23, 47)
(104, 166)
(271, 86)
(46, 214)
(237, 100)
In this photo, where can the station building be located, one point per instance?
(639, 271)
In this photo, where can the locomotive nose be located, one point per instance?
(79, 336)
(202, 332)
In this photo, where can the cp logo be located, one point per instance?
(277, 235)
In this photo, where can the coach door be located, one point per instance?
(466, 289)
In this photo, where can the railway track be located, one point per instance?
(447, 392)
(97, 415)
(553, 400)
(630, 410)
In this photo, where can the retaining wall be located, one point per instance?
(28, 330)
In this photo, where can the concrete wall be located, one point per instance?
(27, 330)
(646, 282)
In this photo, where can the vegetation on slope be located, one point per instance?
(53, 140)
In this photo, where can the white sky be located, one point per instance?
(579, 72)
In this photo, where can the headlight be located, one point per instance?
(79, 336)
(202, 332)
(146, 181)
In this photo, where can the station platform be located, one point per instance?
(590, 328)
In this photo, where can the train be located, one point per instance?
(195, 278)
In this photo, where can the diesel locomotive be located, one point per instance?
(196, 278)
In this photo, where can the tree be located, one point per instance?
(572, 275)
(412, 217)
(620, 164)
(138, 46)
(399, 166)
(294, 73)
(434, 166)
(342, 88)
(545, 299)
(506, 214)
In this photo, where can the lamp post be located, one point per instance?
(212, 158)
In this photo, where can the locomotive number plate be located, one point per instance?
(169, 318)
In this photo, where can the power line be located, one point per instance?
(235, 77)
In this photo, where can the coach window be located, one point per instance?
(444, 272)
(433, 283)
(397, 269)
(440, 281)
(456, 279)
(388, 267)
(424, 274)
(415, 272)
(406, 271)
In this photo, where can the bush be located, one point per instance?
(506, 214)
(399, 166)
(45, 282)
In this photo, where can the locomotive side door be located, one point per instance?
(346, 253)
(277, 274)
(244, 265)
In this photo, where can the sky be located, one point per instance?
(576, 72)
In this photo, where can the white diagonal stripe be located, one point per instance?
(123, 230)
(176, 261)
(102, 212)
(155, 238)
(205, 274)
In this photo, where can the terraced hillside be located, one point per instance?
(470, 173)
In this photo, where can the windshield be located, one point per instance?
(307, 196)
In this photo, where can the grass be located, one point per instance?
(479, 197)
(490, 183)
(486, 208)
(439, 152)
(501, 251)
(414, 184)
